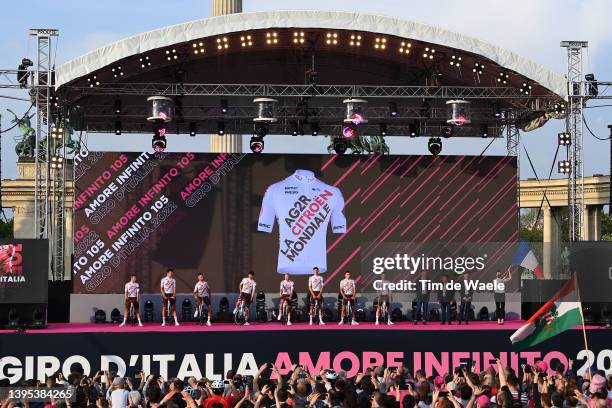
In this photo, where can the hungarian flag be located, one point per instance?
(560, 313)
(526, 258)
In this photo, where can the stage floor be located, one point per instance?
(269, 326)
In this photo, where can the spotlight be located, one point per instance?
(383, 129)
(565, 139)
(158, 143)
(198, 48)
(93, 81)
(591, 85)
(478, 68)
(220, 128)
(295, 129)
(355, 111)
(447, 131)
(162, 109)
(145, 61)
(246, 41)
(13, 318)
(413, 130)
(57, 133)
(525, 88)
(559, 108)
(405, 47)
(100, 316)
(434, 145)
(503, 78)
(380, 43)
(331, 39)
(429, 53)
(193, 129)
(171, 54)
(39, 318)
(484, 130)
(340, 145)
(115, 316)
(57, 162)
(393, 109)
(117, 127)
(564, 167)
(298, 37)
(256, 144)
(223, 106)
(118, 108)
(117, 72)
(459, 112)
(355, 40)
(266, 110)
(497, 111)
(222, 43)
(314, 127)
(271, 38)
(455, 61)
(349, 131)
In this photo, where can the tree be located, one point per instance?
(6, 228)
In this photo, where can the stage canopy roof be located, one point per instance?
(381, 59)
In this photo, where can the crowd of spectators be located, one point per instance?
(536, 386)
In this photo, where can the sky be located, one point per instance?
(531, 28)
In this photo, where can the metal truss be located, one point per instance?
(332, 91)
(573, 123)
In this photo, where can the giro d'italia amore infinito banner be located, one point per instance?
(225, 214)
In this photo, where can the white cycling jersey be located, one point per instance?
(303, 206)
(131, 289)
(201, 289)
(348, 285)
(315, 282)
(168, 285)
(248, 285)
(286, 287)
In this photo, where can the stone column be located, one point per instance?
(594, 219)
(228, 143)
(586, 223)
(551, 242)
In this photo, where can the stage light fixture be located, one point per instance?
(39, 318)
(355, 40)
(340, 145)
(315, 129)
(115, 316)
(455, 61)
(271, 38)
(413, 130)
(57, 162)
(331, 39)
(220, 128)
(57, 133)
(298, 37)
(186, 310)
(393, 109)
(478, 68)
(565, 139)
(429, 53)
(497, 112)
(118, 106)
(355, 111)
(295, 130)
(349, 131)
(405, 47)
(434, 145)
(117, 71)
(246, 41)
(198, 48)
(13, 318)
(447, 131)
(525, 88)
(223, 106)
(380, 43)
(193, 129)
(503, 78)
(99, 316)
(458, 112)
(484, 130)
(162, 109)
(117, 127)
(171, 54)
(222, 43)
(383, 129)
(256, 144)
(559, 108)
(93, 81)
(564, 167)
(145, 61)
(159, 142)
(266, 110)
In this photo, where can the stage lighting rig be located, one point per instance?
(484, 130)
(117, 127)
(559, 108)
(57, 162)
(349, 131)
(565, 139)
(295, 128)
(220, 128)
(458, 112)
(340, 145)
(413, 130)
(434, 145)
(393, 109)
(256, 144)
(355, 111)
(383, 129)
(57, 133)
(266, 110)
(193, 129)
(447, 131)
(159, 142)
(525, 88)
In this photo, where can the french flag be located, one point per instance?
(526, 258)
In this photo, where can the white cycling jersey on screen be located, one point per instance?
(303, 206)
(131, 289)
(248, 285)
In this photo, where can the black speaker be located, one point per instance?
(18, 316)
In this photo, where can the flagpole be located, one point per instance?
(586, 344)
